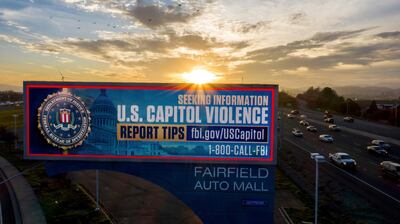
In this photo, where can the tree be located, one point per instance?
(285, 99)
(6, 136)
(373, 108)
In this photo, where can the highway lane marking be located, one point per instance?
(351, 175)
(286, 217)
(1, 214)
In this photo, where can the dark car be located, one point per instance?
(391, 169)
(294, 112)
(381, 144)
(377, 150)
(329, 120)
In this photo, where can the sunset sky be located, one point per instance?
(295, 44)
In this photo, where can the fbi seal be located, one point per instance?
(64, 120)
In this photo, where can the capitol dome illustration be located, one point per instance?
(104, 122)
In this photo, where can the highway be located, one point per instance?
(360, 125)
(367, 180)
(6, 207)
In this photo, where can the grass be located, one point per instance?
(305, 214)
(282, 182)
(7, 119)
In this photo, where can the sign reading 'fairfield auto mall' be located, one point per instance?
(212, 139)
(153, 122)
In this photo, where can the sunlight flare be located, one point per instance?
(199, 76)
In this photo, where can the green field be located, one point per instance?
(7, 119)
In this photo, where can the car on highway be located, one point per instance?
(333, 127)
(329, 120)
(296, 132)
(377, 150)
(342, 159)
(311, 128)
(348, 119)
(326, 138)
(294, 112)
(290, 116)
(303, 116)
(391, 168)
(381, 143)
(305, 123)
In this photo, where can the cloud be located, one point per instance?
(349, 54)
(152, 14)
(297, 18)
(316, 41)
(243, 27)
(394, 34)
(155, 16)
(331, 36)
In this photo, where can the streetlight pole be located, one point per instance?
(97, 191)
(318, 159)
(15, 130)
(395, 116)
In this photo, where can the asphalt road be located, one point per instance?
(7, 212)
(367, 179)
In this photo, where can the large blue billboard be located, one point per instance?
(150, 122)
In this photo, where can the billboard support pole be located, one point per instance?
(97, 191)
(15, 131)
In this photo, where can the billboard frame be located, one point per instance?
(27, 85)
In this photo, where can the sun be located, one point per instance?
(199, 76)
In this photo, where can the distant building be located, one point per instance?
(387, 106)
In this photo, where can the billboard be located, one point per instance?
(150, 122)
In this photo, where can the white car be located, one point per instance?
(296, 132)
(326, 138)
(377, 150)
(290, 116)
(303, 116)
(334, 127)
(348, 119)
(381, 143)
(311, 128)
(305, 123)
(343, 159)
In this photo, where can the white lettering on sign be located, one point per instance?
(236, 179)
